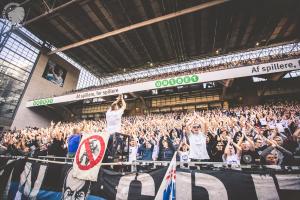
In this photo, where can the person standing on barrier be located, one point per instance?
(113, 120)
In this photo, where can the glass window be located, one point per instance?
(17, 58)
(292, 74)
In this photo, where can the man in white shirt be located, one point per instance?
(197, 140)
(114, 115)
(133, 150)
(113, 121)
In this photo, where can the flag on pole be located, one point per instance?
(167, 188)
(89, 156)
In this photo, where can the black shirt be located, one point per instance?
(57, 148)
(248, 157)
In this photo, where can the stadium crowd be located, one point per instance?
(262, 134)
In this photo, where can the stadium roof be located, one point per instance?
(223, 28)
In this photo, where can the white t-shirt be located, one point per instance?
(280, 127)
(232, 159)
(284, 123)
(132, 153)
(113, 119)
(184, 156)
(155, 152)
(198, 146)
(263, 121)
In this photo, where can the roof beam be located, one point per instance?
(122, 39)
(104, 56)
(162, 28)
(138, 37)
(51, 11)
(67, 33)
(93, 16)
(189, 35)
(142, 12)
(141, 24)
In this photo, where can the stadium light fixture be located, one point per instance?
(150, 64)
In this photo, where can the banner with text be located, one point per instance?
(253, 70)
(23, 179)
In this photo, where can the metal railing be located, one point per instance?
(154, 164)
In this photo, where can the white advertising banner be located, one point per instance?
(253, 70)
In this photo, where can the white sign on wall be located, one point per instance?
(253, 70)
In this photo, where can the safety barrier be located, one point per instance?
(154, 164)
(46, 178)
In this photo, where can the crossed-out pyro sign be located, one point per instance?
(90, 152)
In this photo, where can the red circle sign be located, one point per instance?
(92, 161)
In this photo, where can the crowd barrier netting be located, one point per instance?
(29, 178)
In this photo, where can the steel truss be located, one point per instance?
(229, 59)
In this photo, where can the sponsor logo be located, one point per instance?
(177, 81)
(42, 102)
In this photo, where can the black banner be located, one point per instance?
(24, 179)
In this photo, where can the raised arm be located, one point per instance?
(117, 100)
(226, 151)
(238, 148)
(123, 102)
(241, 140)
(252, 147)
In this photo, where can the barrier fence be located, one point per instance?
(51, 178)
(69, 161)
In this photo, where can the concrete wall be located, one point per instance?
(39, 87)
